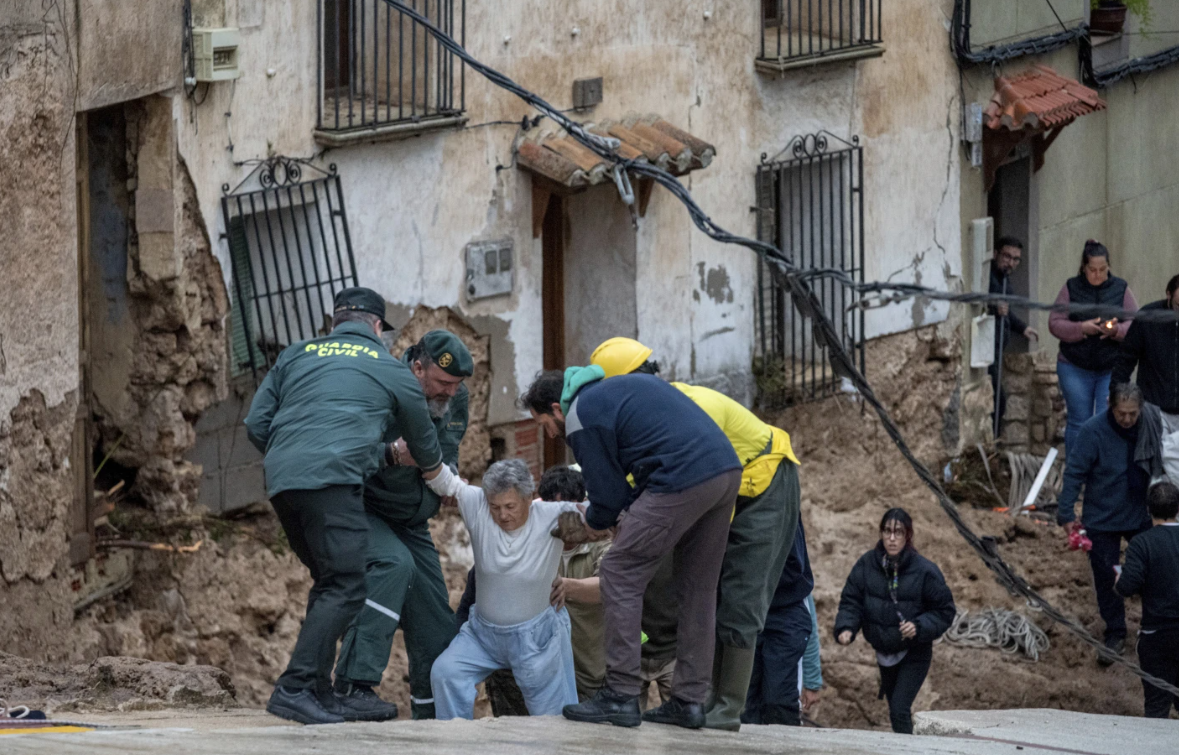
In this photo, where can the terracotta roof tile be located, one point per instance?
(650, 139)
(1038, 100)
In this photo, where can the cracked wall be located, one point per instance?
(156, 329)
(38, 319)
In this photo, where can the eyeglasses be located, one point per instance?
(892, 534)
(1013, 259)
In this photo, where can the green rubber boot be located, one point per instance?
(730, 685)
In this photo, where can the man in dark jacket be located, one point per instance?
(1008, 255)
(773, 687)
(686, 478)
(1152, 570)
(1153, 347)
(1102, 461)
(319, 417)
(403, 578)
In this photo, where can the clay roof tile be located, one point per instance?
(1038, 99)
(562, 159)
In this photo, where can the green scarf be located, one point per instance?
(577, 378)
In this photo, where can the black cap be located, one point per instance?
(362, 299)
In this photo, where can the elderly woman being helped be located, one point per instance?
(512, 626)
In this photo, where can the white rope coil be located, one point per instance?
(999, 628)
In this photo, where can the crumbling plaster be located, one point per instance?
(39, 306)
(413, 205)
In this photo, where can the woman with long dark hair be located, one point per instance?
(901, 602)
(1089, 345)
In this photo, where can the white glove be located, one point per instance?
(446, 483)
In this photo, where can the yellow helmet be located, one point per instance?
(620, 356)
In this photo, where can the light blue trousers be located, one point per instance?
(538, 652)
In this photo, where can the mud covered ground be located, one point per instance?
(236, 604)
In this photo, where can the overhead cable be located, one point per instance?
(809, 305)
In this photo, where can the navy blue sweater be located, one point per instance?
(796, 581)
(1103, 462)
(641, 426)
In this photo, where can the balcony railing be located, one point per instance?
(382, 73)
(797, 33)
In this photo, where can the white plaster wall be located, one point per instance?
(414, 205)
(1112, 175)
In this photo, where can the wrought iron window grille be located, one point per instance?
(379, 69)
(290, 253)
(810, 204)
(804, 32)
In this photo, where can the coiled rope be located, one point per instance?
(1009, 631)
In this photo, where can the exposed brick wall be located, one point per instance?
(521, 440)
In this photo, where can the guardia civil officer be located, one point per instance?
(403, 577)
(319, 417)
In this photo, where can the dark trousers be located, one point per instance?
(900, 684)
(1000, 394)
(328, 532)
(1107, 553)
(404, 587)
(693, 523)
(1158, 653)
(761, 536)
(773, 687)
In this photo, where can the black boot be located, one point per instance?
(606, 707)
(301, 705)
(361, 703)
(678, 712)
(1116, 645)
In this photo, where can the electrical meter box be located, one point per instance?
(489, 268)
(215, 54)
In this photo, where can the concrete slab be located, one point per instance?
(222, 733)
(1062, 730)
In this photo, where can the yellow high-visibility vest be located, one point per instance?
(749, 436)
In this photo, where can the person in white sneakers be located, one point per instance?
(512, 625)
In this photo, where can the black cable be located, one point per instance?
(1053, 9)
(825, 334)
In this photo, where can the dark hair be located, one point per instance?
(1163, 500)
(544, 392)
(561, 483)
(418, 353)
(1172, 285)
(1124, 392)
(901, 516)
(648, 367)
(1008, 241)
(353, 315)
(1093, 249)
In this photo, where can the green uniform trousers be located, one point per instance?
(404, 586)
(327, 531)
(760, 538)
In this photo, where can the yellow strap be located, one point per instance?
(759, 473)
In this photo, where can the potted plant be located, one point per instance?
(1109, 16)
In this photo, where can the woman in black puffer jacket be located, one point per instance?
(901, 602)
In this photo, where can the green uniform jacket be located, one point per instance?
(399, 494)
(323, 408)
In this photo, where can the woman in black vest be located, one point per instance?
(901, 602)
(1089, 345)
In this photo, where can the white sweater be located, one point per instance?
(514, 571)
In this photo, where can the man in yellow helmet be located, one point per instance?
(760, 537)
